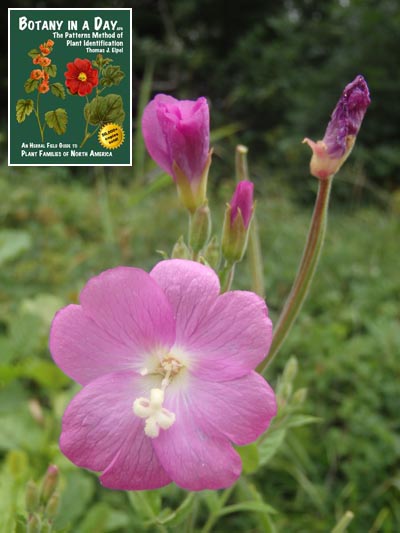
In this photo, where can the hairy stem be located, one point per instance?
(305, 273)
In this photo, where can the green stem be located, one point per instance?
(38, 117)
(305, 273)
(341, 526)
(214, 516)
(255, 259)
(226, 275)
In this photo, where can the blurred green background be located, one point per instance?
(272, 72)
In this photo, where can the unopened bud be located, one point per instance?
(49, 483)
(180, 250)
(331, 152)
(299, 396)
(212, 253)
(47, 526)
(53, 505)
(237, 220)
(290, 370)
(200, 227)
(33, 525)
(31, 496)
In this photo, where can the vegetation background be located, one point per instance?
(272, 72)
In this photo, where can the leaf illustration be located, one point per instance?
(58, 90)
(113, 75)
(104, 109)
(57, 120)
(51, 70)
(34, 53)
(100, 61)
(30, 85)
(24, 108)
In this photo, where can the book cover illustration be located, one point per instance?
(70, 87)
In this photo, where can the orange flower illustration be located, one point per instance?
(36, 74)
(44, 87)
(44, 61)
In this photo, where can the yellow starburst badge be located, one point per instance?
(111, 136)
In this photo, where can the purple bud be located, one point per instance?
(347, 117)
(340, 135)
(238, 215)
(242, 199)
(178, 131)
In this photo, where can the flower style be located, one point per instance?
(81, 77)
(340, 135)
(238, 216)
(177, 136)
(167, 368)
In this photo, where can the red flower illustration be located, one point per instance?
(81, 77)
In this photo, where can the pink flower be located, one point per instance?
(341, 132)
(178, 131)
(242, 202)
(167, 368)
(177, 136)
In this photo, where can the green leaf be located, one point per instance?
(104, 109)
(19, 430)
(24, 108)
(113, 75)
(13, 243)
(270, 445)
(250, 457)
(34, 53)
(51, 70)
(58, 90)
(96, 519)
(30, 85)
(300, 420)
(57, 120)
(75, 498)
(255, 507)
(179, 514)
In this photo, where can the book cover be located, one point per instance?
(69, 86)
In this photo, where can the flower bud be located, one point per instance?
(33, 525)
(49, 483)
(200, 227)
(237, 220)
(212, 253)
(53, 505)
(31, 496)
(177, 136)
(299, 396)
(340, 135)
(180, 250)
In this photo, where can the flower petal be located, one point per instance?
(240, 409)
(191, 288)
(153, 134)
(123, 317)
(191, 457)
(224, 336)
(232, 338)
(101, 432)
